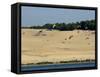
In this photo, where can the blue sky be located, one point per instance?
(41, 15)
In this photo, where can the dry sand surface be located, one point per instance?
(54, 46)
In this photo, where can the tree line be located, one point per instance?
(82, 25)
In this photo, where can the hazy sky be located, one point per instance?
(40, 15)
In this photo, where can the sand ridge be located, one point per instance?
(54, 46)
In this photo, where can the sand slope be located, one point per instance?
(54, 46)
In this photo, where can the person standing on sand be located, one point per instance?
(53, 26)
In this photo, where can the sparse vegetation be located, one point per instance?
(45, 62)
(70, 61)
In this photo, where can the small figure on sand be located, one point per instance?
(53, 27)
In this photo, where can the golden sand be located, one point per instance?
(54, 46)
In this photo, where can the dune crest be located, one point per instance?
(54, 46)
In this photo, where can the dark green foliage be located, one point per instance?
(88, 25)
(36, 27)
(47, 26)
(82, 25)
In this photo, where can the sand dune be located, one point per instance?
(54, 46)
